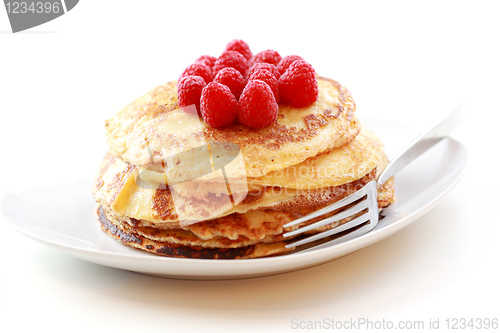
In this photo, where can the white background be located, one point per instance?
(409, 62)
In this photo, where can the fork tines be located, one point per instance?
(363, 201)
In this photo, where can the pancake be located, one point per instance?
(153, 128)
(215, 244)
(172, 185)
(183, 251)
(188, 238)
(195, 201)
(340, 166)
(118, 186)
(258, 223)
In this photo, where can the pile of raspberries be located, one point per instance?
(246, 87)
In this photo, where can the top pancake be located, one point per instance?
(153, 128)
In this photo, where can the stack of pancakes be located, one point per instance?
(172, 185)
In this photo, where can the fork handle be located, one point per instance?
(422, 143)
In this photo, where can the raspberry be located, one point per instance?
(189, 91)
(240, 46)
(263, 65)
(199, 69)
(207, 60)
(298, 84)
(218, 105)
(268, 56)
(257, 107)
(231, 59)
(233, 79)
(286, 62)
(269, 78)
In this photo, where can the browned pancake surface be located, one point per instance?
(152, 128)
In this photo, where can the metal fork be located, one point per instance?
(367, 195)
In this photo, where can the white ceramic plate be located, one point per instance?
(62, 216)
